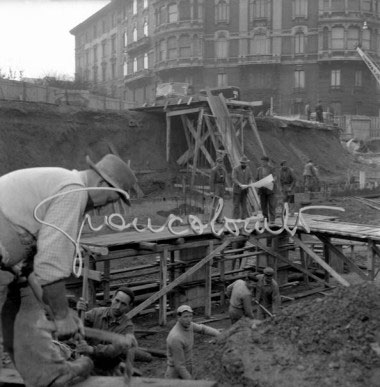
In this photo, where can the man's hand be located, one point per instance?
(130, 340)
(84, 349)
(82, 305)
(69, 325)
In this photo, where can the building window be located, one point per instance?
(145, 4)
(146, 63)
(325, 5)
(162, 53)
(104, 26)
(184, 10)
(95, 53)
(337, 38)
(134, 7)
(113, 20)
(367, 5)
(337, 5)
(335, 78)
(113, 70)
(222, 80)
(113, 43)
(325, 39)
(104, 46)
(173, 13)
(358, 78)
(134, 34)
(125, 67)
(161, 16)
(184, 46)
(353, 5)
(299, 79)
(221, 47)
(125, 39)
(172, 47)
(259, 45)
(299, 40)
(352, 38)
(95, 74)
(366, 40)
(300, 8)
(221, 11)
(336, 108)
(259, 8)
(135, 65)
(145, 28)
(104, 73)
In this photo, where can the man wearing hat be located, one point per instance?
(267, 196)
(267, 293)
(41, 258)
(180, 343)
(240, 295)
(218, 181)
(241, 176)
(288, 183)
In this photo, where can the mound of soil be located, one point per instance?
(320, 342)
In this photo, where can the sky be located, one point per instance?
(35, 37)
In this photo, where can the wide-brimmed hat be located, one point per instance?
(115, 172)
(244, 160)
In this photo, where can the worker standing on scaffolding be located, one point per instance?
(218, 181)
(241, 176)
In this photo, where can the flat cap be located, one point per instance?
(268, 271)
(184, 308)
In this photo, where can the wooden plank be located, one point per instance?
(162, 318)
(178, 280)
(182, 112)
(118, 381)
(322, 263)
(208, 283)
(253, 125)
(10, 376)
(197, 145)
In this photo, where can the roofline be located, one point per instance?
(96, 15)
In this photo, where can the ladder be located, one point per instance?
(371, 64)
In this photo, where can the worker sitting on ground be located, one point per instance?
(180, 343)
(46, 255)
(108, 357)
(240, 294)
(267, 295)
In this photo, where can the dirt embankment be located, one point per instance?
(34, 134)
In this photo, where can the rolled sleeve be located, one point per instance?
(55, 252)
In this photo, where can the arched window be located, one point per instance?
(184, 10)
(184, 46)
(146, 63)
(299, 43)
(221, 47)
(145, 28)
(134, 34)
(134, 65)
(352, 38)
(259, 45)
(337, 38)
(221, 11)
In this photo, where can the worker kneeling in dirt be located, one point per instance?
(267, 294)
(46, 255)
(109, 359)
(180, 343)
(240, 294)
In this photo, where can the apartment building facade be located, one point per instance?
(292, 52)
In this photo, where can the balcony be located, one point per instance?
(137, 76)
(193, 26)
(258, 59)
(332, 55)
(140, 44)
(185, 63)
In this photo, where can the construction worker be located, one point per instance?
(218, 181)
(241, 176)
(107, 357)
(180, 343)
(319, 112)
(267, 196)
(46, 257)
(310, 176)
(267, 294)
(240, 295)
(288, 183)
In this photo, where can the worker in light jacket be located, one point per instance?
(241, 176)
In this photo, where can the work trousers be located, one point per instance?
(235, 314)
(239, 201)
(268, 206)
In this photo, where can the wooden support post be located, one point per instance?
(304, 263)
(326, 255)
(222, 270)
(208, 283)
(106, 281)
(197, 146)
(163, 282)
(178, 280)
(371, 260)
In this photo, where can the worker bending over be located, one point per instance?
(180, 342)
(46, 257)
(240, 294)
(267, 294)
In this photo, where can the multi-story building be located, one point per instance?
(292, 52)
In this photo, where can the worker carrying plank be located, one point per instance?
(35, 250)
